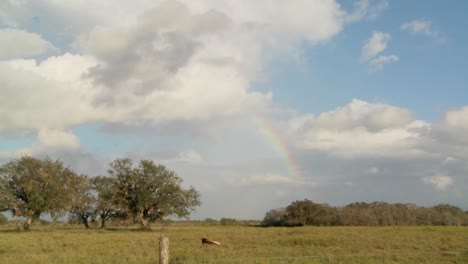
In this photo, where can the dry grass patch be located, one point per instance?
(240, 244)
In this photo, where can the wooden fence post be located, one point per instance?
(163, 250)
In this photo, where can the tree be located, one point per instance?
(301, 213)
(107, 204)
(150, 192)
(275, 217)
(226, 221)
(448, 215)
(33, 187)
(83, 201)
(358, 214)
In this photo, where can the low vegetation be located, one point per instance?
(65, 243)
(306, 212)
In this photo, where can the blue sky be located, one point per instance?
(428, 78)
(368, 96)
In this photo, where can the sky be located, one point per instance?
(254, 103)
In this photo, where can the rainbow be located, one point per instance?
(280, 145)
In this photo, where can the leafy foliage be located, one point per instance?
(150, 192)
(306, 212)
(32, 187)
(83, 201)
(106, 207)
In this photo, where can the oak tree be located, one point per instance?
(151, 192)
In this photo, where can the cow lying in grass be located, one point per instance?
(209, 242)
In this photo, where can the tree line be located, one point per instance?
(142, 193)
(306, 212)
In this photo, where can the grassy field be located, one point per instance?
(240, 244)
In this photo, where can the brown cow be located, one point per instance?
(209, 242)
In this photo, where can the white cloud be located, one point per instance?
(361, 129)
(453, 131)
(151, 62)
(380, 61)
(266, 179)
(457, 119)
(52, 139)
(375, 10)
(373, 170)
(20, 44)
(190, 156)
(440, 182)
(366, 9)
(375, 45)
(49, 95)
(449, 160)
(422, 27)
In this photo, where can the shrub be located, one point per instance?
(228, 221)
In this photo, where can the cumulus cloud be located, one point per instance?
(457, 119)
(49, 95)
(451, 134)
(155, 62)
(440, 182)
(361, 129)
(20, 44)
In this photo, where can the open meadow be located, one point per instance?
(240, 244)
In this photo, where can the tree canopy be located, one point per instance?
(150, 192)
(30, 187)
(306, 212)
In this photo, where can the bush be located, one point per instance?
(210, 221)
(228, 221)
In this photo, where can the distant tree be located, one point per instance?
(305, 212)
(358, 214)
(275, 217)
(33, 187)
(107, 203)
(329, 216)
(210, 221)
(83, 202)
(228, 221)
(448, 215)
(150, 192)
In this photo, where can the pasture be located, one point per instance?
(240, 244)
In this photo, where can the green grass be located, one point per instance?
(240, 244)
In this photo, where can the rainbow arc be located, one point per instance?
(280, 145)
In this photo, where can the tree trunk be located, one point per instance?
(144, 222)
(85, 222)
(103, 222)
(27, 224)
